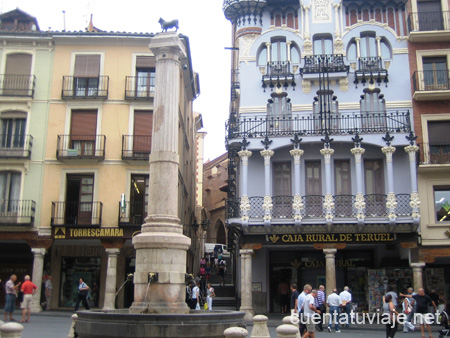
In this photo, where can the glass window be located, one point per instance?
(262, 57)
(323, 45)
(442, 203)
(368, 46)
(13, 133)
(385, 50)
(278, 50)
(351, 52)
(9, 191)
(295, 54)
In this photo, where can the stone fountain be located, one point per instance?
(159, 309)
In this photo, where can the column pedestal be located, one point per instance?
(111, 278)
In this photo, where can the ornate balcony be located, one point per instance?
(311, 125)
(85, 87)
(431, 85)
(15, 146)
(139, 88)
(278, 73)
(136, 147)
(17, 85)
(237, 11)
(370, 70)
(76, 213)
(429, 26)
(434, 153)
(81, 147)
(330, 63)
(132, 214)
(17, 212)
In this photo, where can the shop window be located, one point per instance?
(442, 203)
(74, 268)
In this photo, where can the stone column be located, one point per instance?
(267, 205)
(288, 47)
(38, 268)
(245, 203)
(268, 48)
(298, 203)
(328, 203)
(414, 201)
(246, 284)
(378, 40)
(161, 247)
(111, 278)
(417, 275)
(358, 52)
(337, 19)
(306, 34)
(391, 201)
(330, 270)
(360, 203)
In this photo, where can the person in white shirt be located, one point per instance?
(334, 303)
(393, 295)
(301, 297)
(309, 310)
(346, 298)
(196, 296)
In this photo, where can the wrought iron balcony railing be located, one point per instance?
(370, 64)
(136, 147)
(17, 212)
(139, 88)
(310, 125)
(331, 63)
(15, 146)
(434, 153)
(81, 147)
(17, 85)
(85, 87)
(344, 207)
(428, 21)
(133, 214)
(77, 213)
(431, 80)
(278, 73)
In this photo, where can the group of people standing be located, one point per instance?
(210, 261)
(24, 293)
(199, 294)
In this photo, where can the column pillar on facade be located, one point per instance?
(245, 203)
(246, 284)
(307, 44)
(360, 203)
(161, 247)
(337, 30)
(330, 270)
(417, 269)
(414, 200)
(267, 204)
(297, 205)
(358, 52)
(288, 47)
(111, 278)
(268, 49)
(38, 268)
(328, 203)
(391, 200)
(378, 40)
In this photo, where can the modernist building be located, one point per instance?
(322, 155)
(429, 55)
(93, 122)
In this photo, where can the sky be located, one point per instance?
(201, 20)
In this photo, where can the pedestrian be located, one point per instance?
(423, 301)
(83, 290)
(390, 311)
(294, 297)
(222, 270)
(188, 298)
(346, 298)
(202, 270)
(391, 291)
(29, 289)
(301, 297)
(209, 296)
(11, 294)
(309, 311)
(283, 291)
(208, 272)
(196, 296)
(203, 261)
(334, 303)
(48, 293)
(320, 304)
(408, 305)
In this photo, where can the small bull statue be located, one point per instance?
(165, 25)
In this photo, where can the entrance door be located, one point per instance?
(313, 198)
(138, 199)
(79, 198)
(282, 195)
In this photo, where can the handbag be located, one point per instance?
(205, 306)
(83, 292)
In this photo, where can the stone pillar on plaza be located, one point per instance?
(111, 278)
(161, 246)
(38, 268)
(417, 275)
(246, 284)
(330, 270)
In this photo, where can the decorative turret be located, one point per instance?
(242, 12)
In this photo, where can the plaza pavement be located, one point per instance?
(56, 324)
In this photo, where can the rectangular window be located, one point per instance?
(13, 133)
(86, 75)
(430, 15)
(323, 45)
(439, 141)
(343, 188)
(282, 189)
(17, 74)
(142, 133)
(83, 131)
(79, 199)
(313, 198)
(139, 198)
(374, 184)
(145, 76)
(9, 192)
(435, 73)
(442, 203)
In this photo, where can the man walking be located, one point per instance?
(48, 292)
(10, 289)
(320, 304)
(334, 302)
(310, 309)
(346, 298)
(294, 297)
(423, 301)
(408, 305)
(29, 289)
(301, 298)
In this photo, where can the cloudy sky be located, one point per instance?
(201, 20)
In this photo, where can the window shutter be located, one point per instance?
(87, 66)
(143, 122)
(438, 132)
(18, 64)
(145, 62)
(84, 122)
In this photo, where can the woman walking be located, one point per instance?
(209, 296)
(83, 290)
(389, 309)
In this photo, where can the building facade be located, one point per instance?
(92, 186)
(322, 154)
(429, 55)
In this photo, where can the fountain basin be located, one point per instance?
(122, 324)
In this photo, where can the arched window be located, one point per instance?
(351, 51)
(369, 46)
(262, 56)
(278, 49)
(279, 105)
(295, 54)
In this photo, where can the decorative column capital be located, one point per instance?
(327, 152)
(388, 151)
(358, 152)
(246, 253)
(267, 153)
(329, 252)
(357, 40)
(297, 153)
(412, 150)
(268, 44)
(38, 251)
(244, 155)
(418, 265)
(112, 251)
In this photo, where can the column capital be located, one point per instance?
(297, 152)
(267, 153)
(112, 251)
(268, 44)
(38, 251)
(327, 151)
(388, 150)
(412, 149)
(358, 39)
(329, 252)
(167, 46)
(246, 252)
(357, 151)
(245, 153)
(418, 265)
